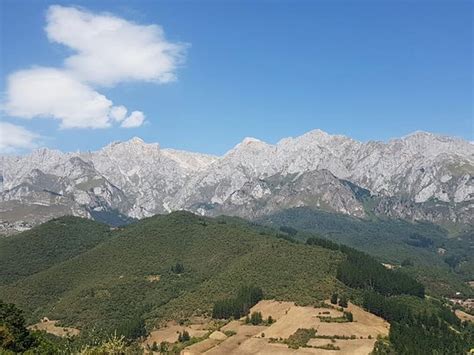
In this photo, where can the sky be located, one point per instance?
(202, 75)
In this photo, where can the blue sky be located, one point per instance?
(266, 69)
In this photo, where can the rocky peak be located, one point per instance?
(249, 144)
(147, 180)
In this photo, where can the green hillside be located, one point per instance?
(416, 246)
(112, 284)
(51, 243)
(135, 278)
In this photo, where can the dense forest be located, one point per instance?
(420, 330)
(442, 261)
(47, 245)
(360, 270)
(247, 297)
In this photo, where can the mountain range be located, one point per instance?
(422, 176)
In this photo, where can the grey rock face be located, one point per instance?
(421, 176)
(318, 189)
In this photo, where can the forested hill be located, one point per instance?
(48, 244)
(167, 267)
(170, 267)
(444, 263)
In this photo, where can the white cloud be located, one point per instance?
(135, 119)
(47, 92)
(110, 49)
(14, 138)
(118, 113)
(107, 50)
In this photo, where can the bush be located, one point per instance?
(178, 268)
(184, 336)
(154, 347)
(256, 318)
(164, 347)
(300, 338)
(343, 301)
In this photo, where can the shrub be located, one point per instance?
(300, 338)
(255, 318)
(184, 336)
(178, 268)
(343, 301)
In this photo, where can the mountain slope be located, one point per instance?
(51, 243)
(317, 189)
(418, 177)
(442, 262)
(130, 274)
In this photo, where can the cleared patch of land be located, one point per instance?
(50, 326)
(153, 278)
(273, 308)
(464, 316)
(201, 347)
(358, 336)
(170, 332)
(232, 345)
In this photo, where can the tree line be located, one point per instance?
(246, 298)
(360, 270)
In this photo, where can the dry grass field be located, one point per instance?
(170, 332)
(249, 339)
